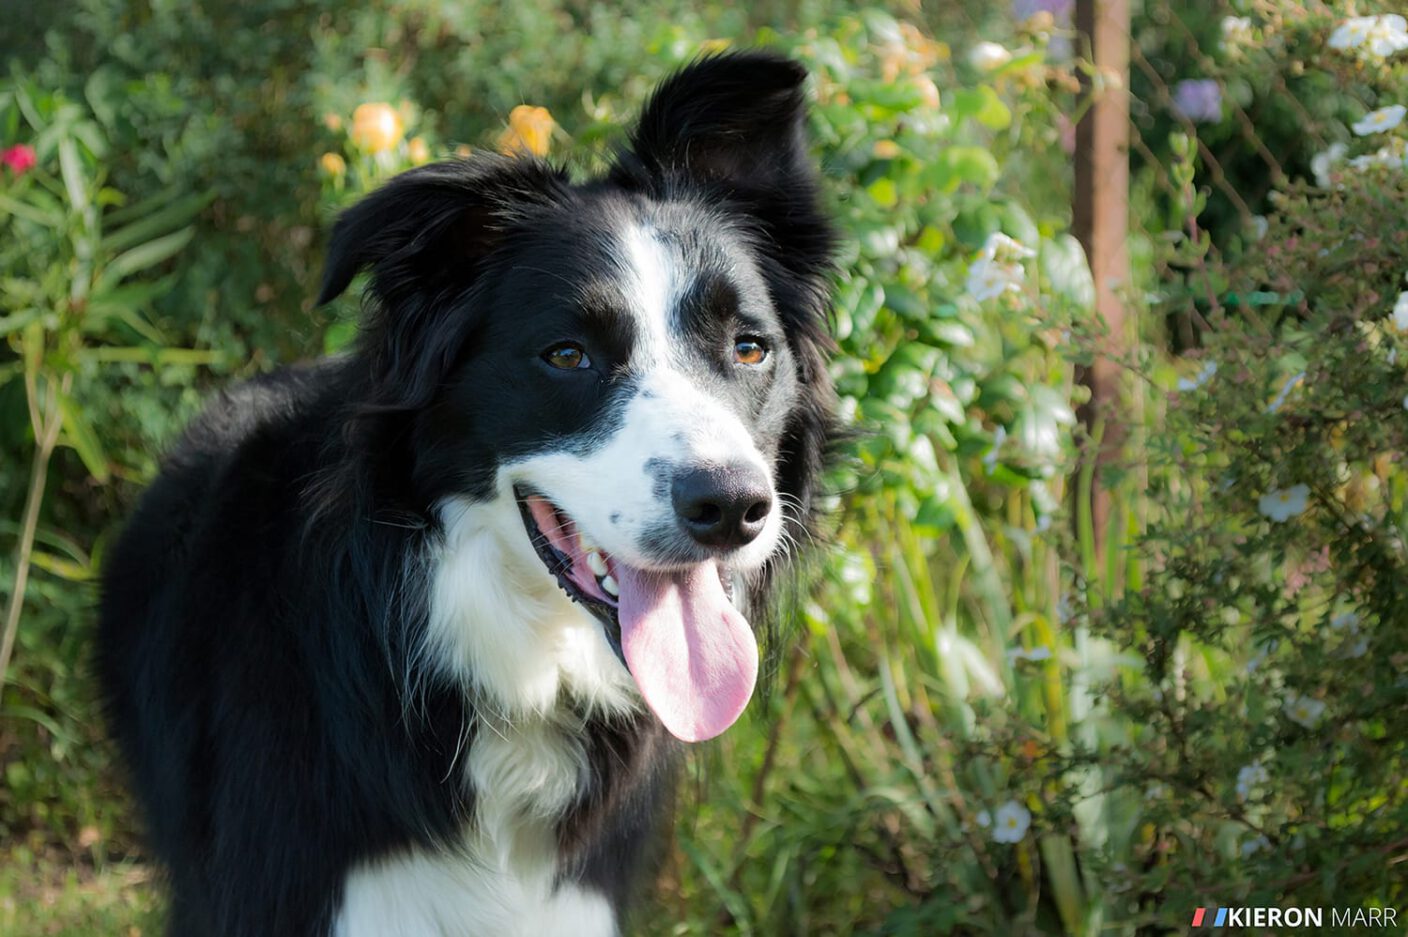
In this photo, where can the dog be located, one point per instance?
(407, 641)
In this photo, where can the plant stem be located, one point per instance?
(46, 436)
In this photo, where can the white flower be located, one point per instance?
(1390, 156)
(1285, 392)
(1155, 792)
(984, 819)
(987, 280)
(1400, 312)
(1388, 35)
(1322, 163)
(986, 56)
(1249, 777)
(1254, 845)
(1038, 653)
(1236, 31)
(1385, 118)
(1010, 823)
(1202, 377)
(1260, 225)
(1284, 503)
(1352, 33)
(998, 268)
(1304, 710)
(1374, 36)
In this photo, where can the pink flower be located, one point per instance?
(19, 159)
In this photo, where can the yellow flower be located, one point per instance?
(886, 149)
(376, 127)
(332, 121)
(333, 165)
(529, 131)
(464, 151)
(417, 150)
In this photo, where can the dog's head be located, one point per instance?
(638, 360)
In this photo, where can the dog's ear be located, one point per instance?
(426, 237)
(735, 119)
(428, 228)
(732, 129)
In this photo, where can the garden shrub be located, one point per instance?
(981, 725)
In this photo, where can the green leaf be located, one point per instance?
(29, 212)
(61, 567)
(167, 218)
(1067, 273)
(931, 240)
(39, 717)
(78, 433)
(104, 93)
(935, 515)
(959, 164)
(71, 168)
(338, 336)
(883, 191)
(121, 302)
(983, 105)
(145, 206)
(948, 332)
(18, 320)
(144, 256)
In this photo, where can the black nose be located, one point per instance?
(722, 506)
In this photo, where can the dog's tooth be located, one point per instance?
(597, 564)
(609, 584)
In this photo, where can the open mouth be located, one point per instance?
(583, 570)
(691, 653)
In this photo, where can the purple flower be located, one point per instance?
(1198, 100)
(1026, 9)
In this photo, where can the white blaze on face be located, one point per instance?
(691, 652)
(615, 494)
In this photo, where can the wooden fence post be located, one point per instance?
(1101, 216)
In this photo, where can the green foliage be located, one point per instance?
(81, 267)
(981, 724)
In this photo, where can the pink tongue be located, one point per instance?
(692, 654)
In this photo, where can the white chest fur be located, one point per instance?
(502, 879)
(501, 627)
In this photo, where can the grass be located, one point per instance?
(45, 896)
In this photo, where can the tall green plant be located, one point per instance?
(78, 269)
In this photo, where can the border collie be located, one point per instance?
(404, 642)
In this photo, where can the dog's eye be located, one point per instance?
(750, 350)
(567, 357)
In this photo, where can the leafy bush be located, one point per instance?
(981, 725)
(78, 261)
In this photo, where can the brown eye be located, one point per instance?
(567, 357)
(750, 350)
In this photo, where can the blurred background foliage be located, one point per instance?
(981, 724)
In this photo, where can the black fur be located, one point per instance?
(262, 611)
